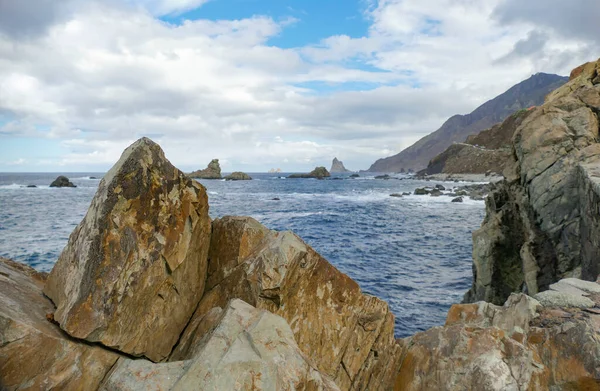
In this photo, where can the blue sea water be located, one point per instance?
(414, 252)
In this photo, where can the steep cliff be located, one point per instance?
(541, 223)
(530, 92)
(338, 166)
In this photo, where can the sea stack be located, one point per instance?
(318, 173)
(212, 171)
(62, 181)
(337, 166)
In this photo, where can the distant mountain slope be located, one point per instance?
(530, 92)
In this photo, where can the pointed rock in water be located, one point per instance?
(134, 269)
(247, 349)
(62, 181)
(238, 176)
(338, 166)
(34, 353)
(212, 171)
(348, 335)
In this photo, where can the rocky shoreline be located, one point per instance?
(150, 293)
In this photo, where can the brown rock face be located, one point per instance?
(540, 224)
(34, 353)
(346, 334)
(519, 346)
(134, 269)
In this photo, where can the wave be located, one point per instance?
(87, 178)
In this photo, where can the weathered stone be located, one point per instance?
(587, 286)
(212, 171)
(34, 353)
(563, 287)
(553, 298)
(249, 349)
(134, 269)
(348, 335)
(62, 181)
(541, 224)
(519, 346)
(238, 176)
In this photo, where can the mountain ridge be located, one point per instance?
(529, 92)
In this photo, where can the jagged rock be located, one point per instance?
(62, 181)
(34, 353)
(457, 199)
(519, 346)
(338, 166)
(318, 173)
(248, 349)
(238, 176)
(134, 268)
(346, 334)
(552, 298)
(440, 187)
(541, 223)
(212, 171)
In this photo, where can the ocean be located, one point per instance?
(414, 252)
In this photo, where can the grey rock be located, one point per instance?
(560, 299)
(457, 199)
(397, 195)
(238, 176)
(337, 166)
(421, 191)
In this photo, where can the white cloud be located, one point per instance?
(207, 89)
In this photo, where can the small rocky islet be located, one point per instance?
(150, 293)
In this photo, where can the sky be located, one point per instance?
(263, 84)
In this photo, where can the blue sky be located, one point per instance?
(262, 84)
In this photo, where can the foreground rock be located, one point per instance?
(212, 171)
(34, 353)
(318, 173)
(246, 349)
(349, 336)
(134, 269)
(519, 346)
(62, 181)
(337, 166)
(542, 222)
(238, 176)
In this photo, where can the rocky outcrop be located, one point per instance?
(133, 270)
(530, 92)
(238, 176)
(62, 181)
(487, 151)
(345, 333)
(541, 223)
(34, 353)
(247, 349)
(337, 166)
(317, 173)
(522, 345)
(212, 171)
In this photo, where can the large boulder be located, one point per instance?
(134, 269)
(247, 349)
(541, 223)
(62, 181)
(212, 171)
(348, 335)
(519, 346)
(34, 353)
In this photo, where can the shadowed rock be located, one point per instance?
(62, 181)
(134, 269)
